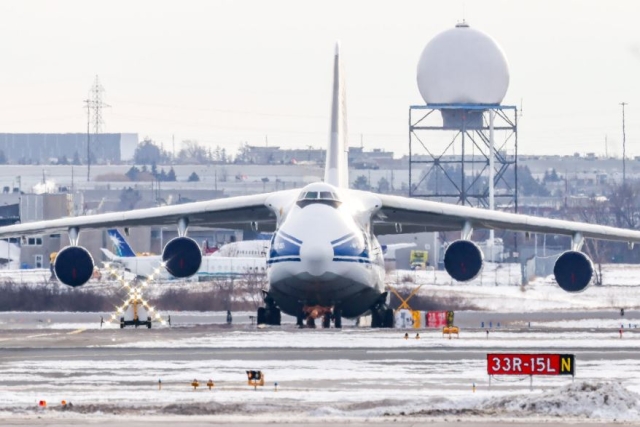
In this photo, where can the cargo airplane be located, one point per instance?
(324, 259)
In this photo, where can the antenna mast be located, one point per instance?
(94, 104)
(624, 148)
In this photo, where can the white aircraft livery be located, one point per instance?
(324, 259)
(211, 266)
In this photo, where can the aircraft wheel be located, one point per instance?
(326, 321)
(389, 318)
(274, 317)
(262, 316)
(311, 323)
(376, 319)
(300, 319)
(337, 318)
(122, 323)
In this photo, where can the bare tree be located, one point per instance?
(624, 201)
(597, 212)
(252, 285)
(193, 152)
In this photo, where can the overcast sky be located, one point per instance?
(222, 72)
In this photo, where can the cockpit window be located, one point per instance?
(324, 197)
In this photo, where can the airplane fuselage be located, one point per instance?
(212, 267)
(320, 255)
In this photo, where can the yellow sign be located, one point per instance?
(566, 365)
(418, 259)
(416, 319)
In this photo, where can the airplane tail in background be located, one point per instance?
(120, 245)
(336, 170)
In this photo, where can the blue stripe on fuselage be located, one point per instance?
(351, 248)
(290, 237)
(361, 260)
(284, 245)
(283, 259)
(348, 236)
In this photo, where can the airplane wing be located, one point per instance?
(233, 212)
(402, 214)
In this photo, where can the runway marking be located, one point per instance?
(43, 335)
(77, 331)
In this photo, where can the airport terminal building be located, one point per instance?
(47, 147)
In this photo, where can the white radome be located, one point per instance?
(463, 66)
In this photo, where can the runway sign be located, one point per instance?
(530, 364)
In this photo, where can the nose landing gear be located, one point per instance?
(308, 315)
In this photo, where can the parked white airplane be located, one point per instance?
(212, 266)
(324, 258)
(244, 248)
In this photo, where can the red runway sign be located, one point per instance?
(530, 364)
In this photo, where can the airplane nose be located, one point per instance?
(316, 258)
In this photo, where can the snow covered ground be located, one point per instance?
(498, 289)
(351, 376)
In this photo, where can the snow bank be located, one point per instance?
(601, 400)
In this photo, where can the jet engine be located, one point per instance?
(182, 257)
(73, 266)
(573, 271)
(463, 260)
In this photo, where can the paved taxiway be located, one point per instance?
(152, 422)
(350, 373)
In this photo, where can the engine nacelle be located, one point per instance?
(463, 260)
(573, 271)
(182, 257)
(73, 266)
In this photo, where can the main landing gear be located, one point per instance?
(307, 315)
(381, 315)
(270, 314)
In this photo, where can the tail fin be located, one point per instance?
(120, 245)
(337, 169)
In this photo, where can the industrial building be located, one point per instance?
(45, 148)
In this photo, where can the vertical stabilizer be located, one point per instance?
(120, 245)
(337, 169)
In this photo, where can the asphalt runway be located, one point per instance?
(111, 373)
(150, 421)
(465, 319)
